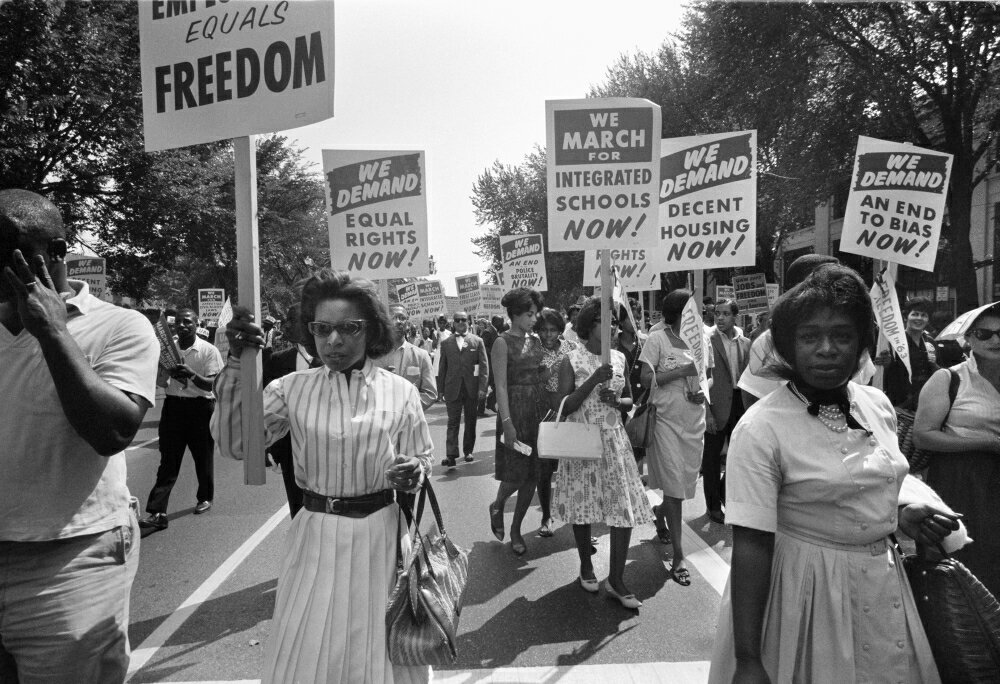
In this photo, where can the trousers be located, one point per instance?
(467, 402)
(183, 425)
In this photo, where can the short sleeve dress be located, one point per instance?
(607, 491)
(679, 435)
(527, 403)
(840, 607)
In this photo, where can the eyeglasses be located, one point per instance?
(983, 334)
(400, 318)
(461, 320)
(344, 328)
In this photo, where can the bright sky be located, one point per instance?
(466, 81)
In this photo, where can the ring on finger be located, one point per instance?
(30, 285)
(239, 336)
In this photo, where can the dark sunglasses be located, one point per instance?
(983, 334)
(344, 328)
(461, 320)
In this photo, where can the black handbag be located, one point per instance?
(960, 616)
(919, 458)
(421, 618)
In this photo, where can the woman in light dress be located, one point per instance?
(817, 593)
(966, 435)
(607, 490)
(358, 434)
(679, 434)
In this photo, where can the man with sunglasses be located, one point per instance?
(463, 375)
(77, 376)
(407, 360)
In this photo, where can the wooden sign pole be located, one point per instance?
(606, 296)
(248, 275)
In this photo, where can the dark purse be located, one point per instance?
(918, 458)
(960, 616)
(641, 424)
(421, 618)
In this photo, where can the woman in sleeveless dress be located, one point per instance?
(517, 362)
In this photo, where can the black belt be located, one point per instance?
(351, 507)
(170, 396)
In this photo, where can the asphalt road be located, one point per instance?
(204, 593)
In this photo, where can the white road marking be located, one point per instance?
(146, 650)
(141, 444)
(693, 672)
(709, 564)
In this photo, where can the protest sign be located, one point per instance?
(635, 268)
(212, 71)
(210, 302)
(91, 270)
(724, 292)
(708, 201)
(523, 260)
(890, 318)
(469, 297)
(376, 205)
(170, 355)
(896, 203)
(491, 296)
(409, 297)
(225, 315)
(431, 297)
(602, 171)
(751, 293)
(693, 334)
(772, 294)
(452, 305)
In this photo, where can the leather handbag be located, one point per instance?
(421, 617)
(565, 440)
(960, 616)
(641, 424)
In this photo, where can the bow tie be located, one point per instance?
(460, 334)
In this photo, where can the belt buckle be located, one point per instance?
(333, 506)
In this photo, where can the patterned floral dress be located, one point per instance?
(607, 491)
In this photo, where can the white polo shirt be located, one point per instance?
(53, 484)
(204, 359)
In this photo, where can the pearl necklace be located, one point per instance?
(831, 416)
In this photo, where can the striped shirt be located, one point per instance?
(344, 435)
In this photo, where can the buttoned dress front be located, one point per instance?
(337, 571)
(839, 607)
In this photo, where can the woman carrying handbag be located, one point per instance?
(606, 490)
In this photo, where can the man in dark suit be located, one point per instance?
(731, 351)
(279, 364)
(462, 375)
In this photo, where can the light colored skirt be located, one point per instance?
(834, 614)
(329, 615)
(678, 442)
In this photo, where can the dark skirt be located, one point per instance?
(968, 483)
(527, 408)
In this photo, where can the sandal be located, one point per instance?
(545, 530)
(496, 522)
(681, 576)
(662, 533)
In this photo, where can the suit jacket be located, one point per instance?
(459, 367)
(724, 378)
(414, 364)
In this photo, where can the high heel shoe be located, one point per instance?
(628, 600)
(590, 585)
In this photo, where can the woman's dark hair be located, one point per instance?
(834, 286)
(918, 304)
(551, 317)
(327, 284)
(520, 299)
(590, 314)
(673, 304)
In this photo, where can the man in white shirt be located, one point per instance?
(77, 375)
(187, 411)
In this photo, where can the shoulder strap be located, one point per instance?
(956, 379)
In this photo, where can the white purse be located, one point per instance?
(580, 441)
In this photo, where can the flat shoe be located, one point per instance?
(590, 585)
(519, 548)
(496, 522)
(545, 531)
(681, 576)
(469, 458)
(628, 600)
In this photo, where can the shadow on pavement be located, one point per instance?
(215, 619)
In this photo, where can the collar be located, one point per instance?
(80, 299)
(367, 372)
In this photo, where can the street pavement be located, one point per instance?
(204, 593)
